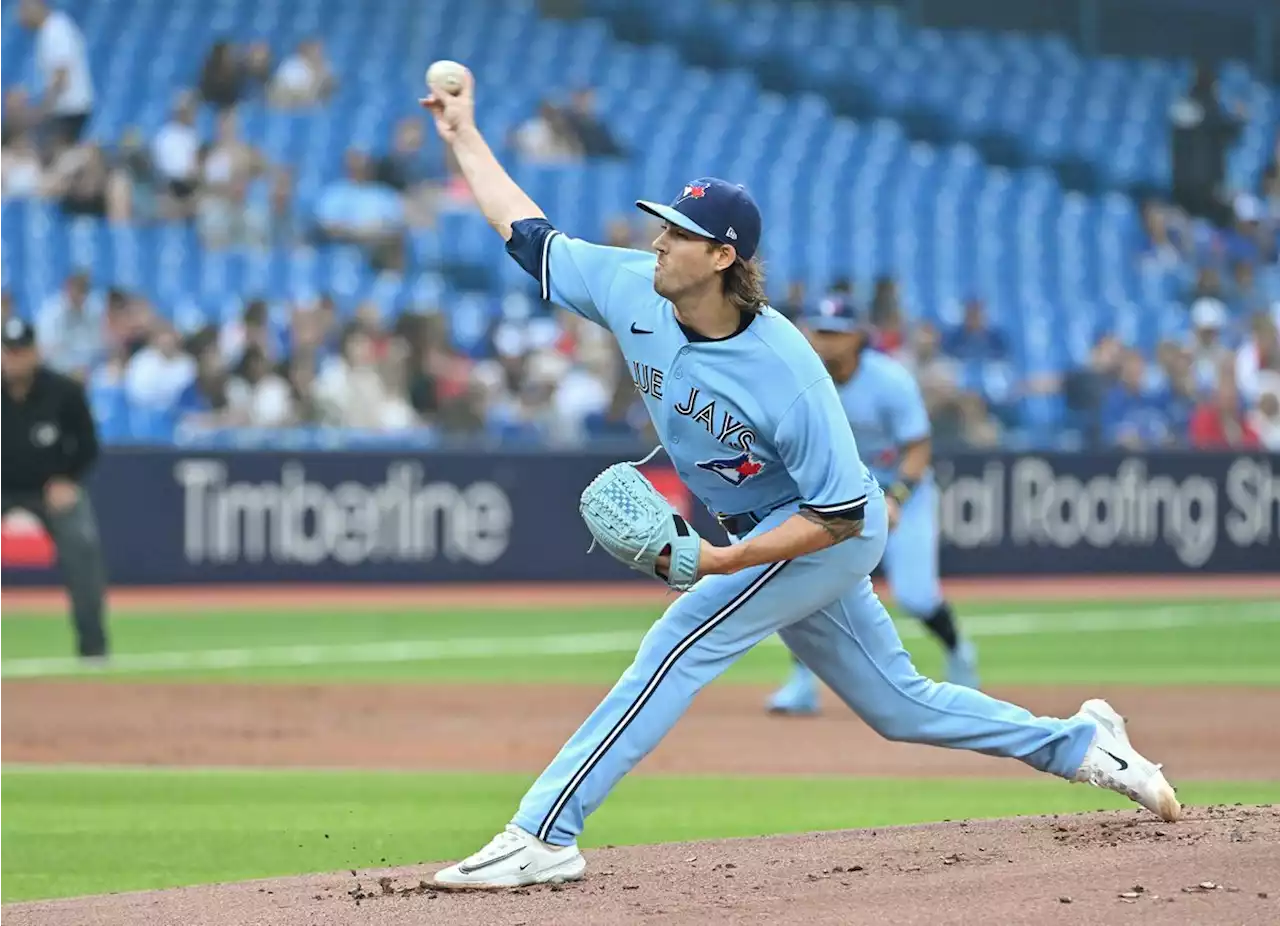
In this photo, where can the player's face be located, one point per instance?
(686, 262)
(838, 349)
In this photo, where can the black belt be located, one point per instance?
(742, 524)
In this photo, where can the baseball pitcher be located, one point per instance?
(886, 410)
(753, 423)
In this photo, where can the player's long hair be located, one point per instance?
(744, 285)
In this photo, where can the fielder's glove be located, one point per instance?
(635, 524)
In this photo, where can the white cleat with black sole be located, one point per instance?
(1114, 764)
(514, 858)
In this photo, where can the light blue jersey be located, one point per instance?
(886, 410)
(751, 421)
(755, 428)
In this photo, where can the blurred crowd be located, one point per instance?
(536, 374)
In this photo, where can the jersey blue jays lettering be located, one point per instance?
(751, 421)
(886, 410)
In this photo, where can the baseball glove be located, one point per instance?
(635, 524)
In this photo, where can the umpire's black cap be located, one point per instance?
(18, 333)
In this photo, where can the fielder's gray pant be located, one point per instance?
(75, 534)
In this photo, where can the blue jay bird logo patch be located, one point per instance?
(734, 470)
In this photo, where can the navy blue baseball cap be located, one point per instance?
(834, 313)
(714, 209)
(18, 333)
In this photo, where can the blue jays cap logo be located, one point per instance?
(734, 470)
(691, 191)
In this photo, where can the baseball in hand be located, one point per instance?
(446, 77)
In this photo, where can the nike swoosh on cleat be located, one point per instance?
(1119, 761)
(493, 861)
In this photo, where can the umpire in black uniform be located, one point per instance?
(49, 445)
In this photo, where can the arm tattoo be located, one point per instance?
(839, 528)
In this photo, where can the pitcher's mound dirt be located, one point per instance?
(1221, 865)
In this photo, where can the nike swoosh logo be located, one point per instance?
(525, 865)
(1119, 761)
(635, 330)
(466, 870)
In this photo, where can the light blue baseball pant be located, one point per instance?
(827, 612)
(911, 555)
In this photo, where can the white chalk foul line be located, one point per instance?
(624, 641)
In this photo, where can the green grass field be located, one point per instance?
(70, 831)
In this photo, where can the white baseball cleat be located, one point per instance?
(1114, 764)
(514, 858)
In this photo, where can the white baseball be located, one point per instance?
(446, 77)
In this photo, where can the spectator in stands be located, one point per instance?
(1245, 291)
(313, 330)
(547, 137)
(307, 409)
(159, 373)
(203, 403)
(974, 339)
(224, 219)
(978, 427)
(593, 136)
(20, 119)
(63, 64)
(405, 169)
(230, 160)
(1202, 130)
(1246, 240)
(69, 328)
(937, 374)
(1257, 365)
(583, 391)
(886, 316)
(1208, 352)
(1208, 285)
(1219, 423)
(21, 173)
(132, 161)
(83, 183)
(357, 210)
(304, 78)
(256, 65)
(271, 215)
(222, 76)
(257, 396)
(352, 393)
(1131, 417)
(128, 323)
(1265, 421)
(252, 331)
(440, 378)
(1161, 245)
(175, 152)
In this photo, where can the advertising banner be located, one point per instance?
(177, 516)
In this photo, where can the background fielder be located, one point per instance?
(751, 420)
(887, 412)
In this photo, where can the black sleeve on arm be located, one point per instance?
(852, 510)
(79, 425)
(530, 247)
